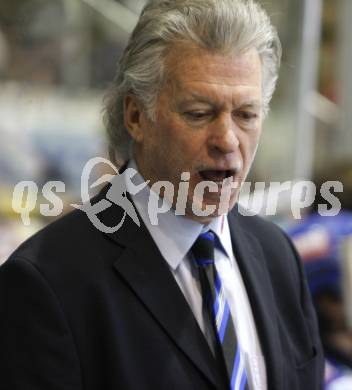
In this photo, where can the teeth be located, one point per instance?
(214, 175)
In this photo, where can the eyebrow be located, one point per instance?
(195, 98)
(251, 104)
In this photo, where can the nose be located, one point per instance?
(223, 136)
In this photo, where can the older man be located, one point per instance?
(206, 298)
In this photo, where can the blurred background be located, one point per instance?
(57, 57)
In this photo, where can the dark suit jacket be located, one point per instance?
(80, 309)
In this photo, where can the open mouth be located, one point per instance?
(217, 175)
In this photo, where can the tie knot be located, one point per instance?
(203, 249)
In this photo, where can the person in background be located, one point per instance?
(319, 240)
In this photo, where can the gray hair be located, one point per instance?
(220, 26)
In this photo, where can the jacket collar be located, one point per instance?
(252, 264)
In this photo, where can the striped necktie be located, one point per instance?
(218, 309)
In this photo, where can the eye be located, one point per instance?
(246, 116)
(197, 115)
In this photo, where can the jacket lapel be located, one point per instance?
(252, 264)
(145, 270)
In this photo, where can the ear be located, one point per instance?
(133, 116)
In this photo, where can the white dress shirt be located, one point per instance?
(174, 235)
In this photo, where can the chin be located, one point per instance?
(201, 220)
(201, 206)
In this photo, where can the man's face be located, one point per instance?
(208, 120)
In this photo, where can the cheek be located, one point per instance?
(182, 146)
(251, 144)
(168, 150)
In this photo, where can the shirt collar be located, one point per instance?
(174, 235)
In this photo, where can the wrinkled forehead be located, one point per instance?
(192, 62)
(191, 70)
